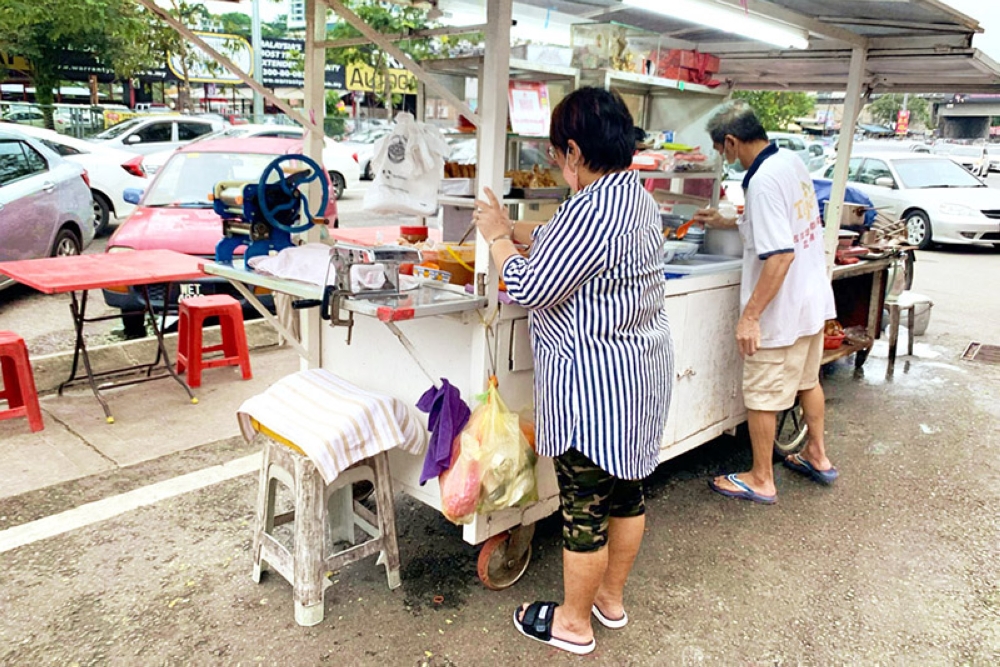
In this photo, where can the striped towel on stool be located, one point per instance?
(335, 423)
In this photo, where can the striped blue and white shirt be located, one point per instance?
(601, 341)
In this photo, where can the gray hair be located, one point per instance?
(738, 119)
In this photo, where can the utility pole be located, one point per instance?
(258, 74)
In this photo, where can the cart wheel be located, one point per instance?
(500, 565)
(790, 435)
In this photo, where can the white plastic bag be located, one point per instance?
(409, 165)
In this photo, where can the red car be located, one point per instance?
(176, 213)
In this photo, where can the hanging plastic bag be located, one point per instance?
(493, 452)
(461, 481)
(409, 165)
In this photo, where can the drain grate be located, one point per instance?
(980, 352)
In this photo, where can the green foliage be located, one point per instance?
(886, 108)
(236, 23)
(776, 109)
(114, 31)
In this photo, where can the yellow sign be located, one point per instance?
(365, 78)
(115, 117)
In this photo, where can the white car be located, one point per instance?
(150, 134)
(940, 201)
(337, 159)
(975, 158)
(362, 147)
(111, 172)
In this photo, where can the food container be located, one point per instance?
(414, 234)
(543, 54)
(458, 260)
(539, 193)
(678, 251)
(466, 187)
(833, 342)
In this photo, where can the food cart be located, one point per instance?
(398, 346)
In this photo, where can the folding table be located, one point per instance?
(77, 274)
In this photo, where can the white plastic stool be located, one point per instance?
(907, 301)
(324, 514)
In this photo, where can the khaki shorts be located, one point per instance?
(774, 376)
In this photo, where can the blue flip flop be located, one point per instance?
(744, 493)
(800, 465)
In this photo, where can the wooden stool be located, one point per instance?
(324, 514)
(908, 302)
(235, 352)
(18, 381)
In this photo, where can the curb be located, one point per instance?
(50, 370)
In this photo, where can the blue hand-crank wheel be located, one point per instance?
(292, 185)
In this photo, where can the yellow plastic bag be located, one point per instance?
(492, 451)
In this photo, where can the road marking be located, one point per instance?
(107, 508)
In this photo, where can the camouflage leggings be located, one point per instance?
(589, 498)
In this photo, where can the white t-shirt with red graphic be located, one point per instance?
(782, 216)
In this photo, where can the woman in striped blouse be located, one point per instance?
(594, 286)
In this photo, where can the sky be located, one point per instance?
(988, 16)
(986, 12)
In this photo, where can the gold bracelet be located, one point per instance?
(500, 238)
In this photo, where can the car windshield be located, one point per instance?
(934, 173)
(188, 179)
(119, 129)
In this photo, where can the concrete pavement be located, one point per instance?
(132, 540)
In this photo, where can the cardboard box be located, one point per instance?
(676, 73)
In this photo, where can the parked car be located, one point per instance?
(810, 151)
(45, 203)
(940, 201)
(972, 157)
(111, 172)
(149, 134)
(339, 162)
(362, 146)
(175, 213)
(993, 151)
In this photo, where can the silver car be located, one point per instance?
(45, 202)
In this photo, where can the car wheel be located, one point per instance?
(102, 213)
(67, 243)
(134, 324)
(338, 184)
(918, 229)
(369, 171)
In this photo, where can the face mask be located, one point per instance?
(572, 178)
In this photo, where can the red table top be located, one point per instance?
(53, 275)
(369, 236)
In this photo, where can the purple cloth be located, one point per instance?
(447, 415)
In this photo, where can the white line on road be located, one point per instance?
(107, 508)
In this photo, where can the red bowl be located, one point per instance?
(833, 342)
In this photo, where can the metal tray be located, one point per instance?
(539, 193)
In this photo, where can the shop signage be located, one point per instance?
(365, 78)
(282, 66)
(529, 108)
(903, 122)
(202, 69)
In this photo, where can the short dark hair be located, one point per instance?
(600, 123)
(735, 118)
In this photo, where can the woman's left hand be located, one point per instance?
(491, 218)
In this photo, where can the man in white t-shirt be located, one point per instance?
(785, 300)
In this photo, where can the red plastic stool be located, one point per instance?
(18, 381)
(190, 351)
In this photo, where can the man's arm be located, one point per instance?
(772, 277)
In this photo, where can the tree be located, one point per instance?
(776, 109)
(115, 32)
(886, 109)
